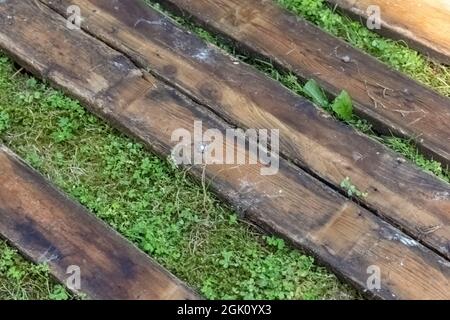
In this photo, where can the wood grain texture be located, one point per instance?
(330, 150)
(50, 228)
(423, 24)
(37, 219)
(291, 203)
(392, 102)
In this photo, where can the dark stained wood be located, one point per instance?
(423, 24)
(342, 235)
(330, 150)
(391, 101)
(49, 228)
(293, 204)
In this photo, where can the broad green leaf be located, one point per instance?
(313, 90)
(343, 106)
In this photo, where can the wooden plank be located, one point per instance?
(396, 190)
(423, 24)
(50, 228)
(303, 210)
(392, 102)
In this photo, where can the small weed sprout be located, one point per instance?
(352, 190)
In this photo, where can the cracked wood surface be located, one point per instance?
(391, 101)
(293, 204)
(397, 190)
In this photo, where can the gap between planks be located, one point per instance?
(406, 109)
(340, 233)
(48, 227)
(422, 24)
(399, 192)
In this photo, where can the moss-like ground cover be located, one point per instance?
(394, 54)
(150, 202)
(159, 207)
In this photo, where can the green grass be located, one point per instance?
(23, 280)
(157, 206)
(150, 202)
(390, 52)
(394, 53)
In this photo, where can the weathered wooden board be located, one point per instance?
(398, 191)
(291, 203)
(49, 228)
(423, 24)
(391, 101)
